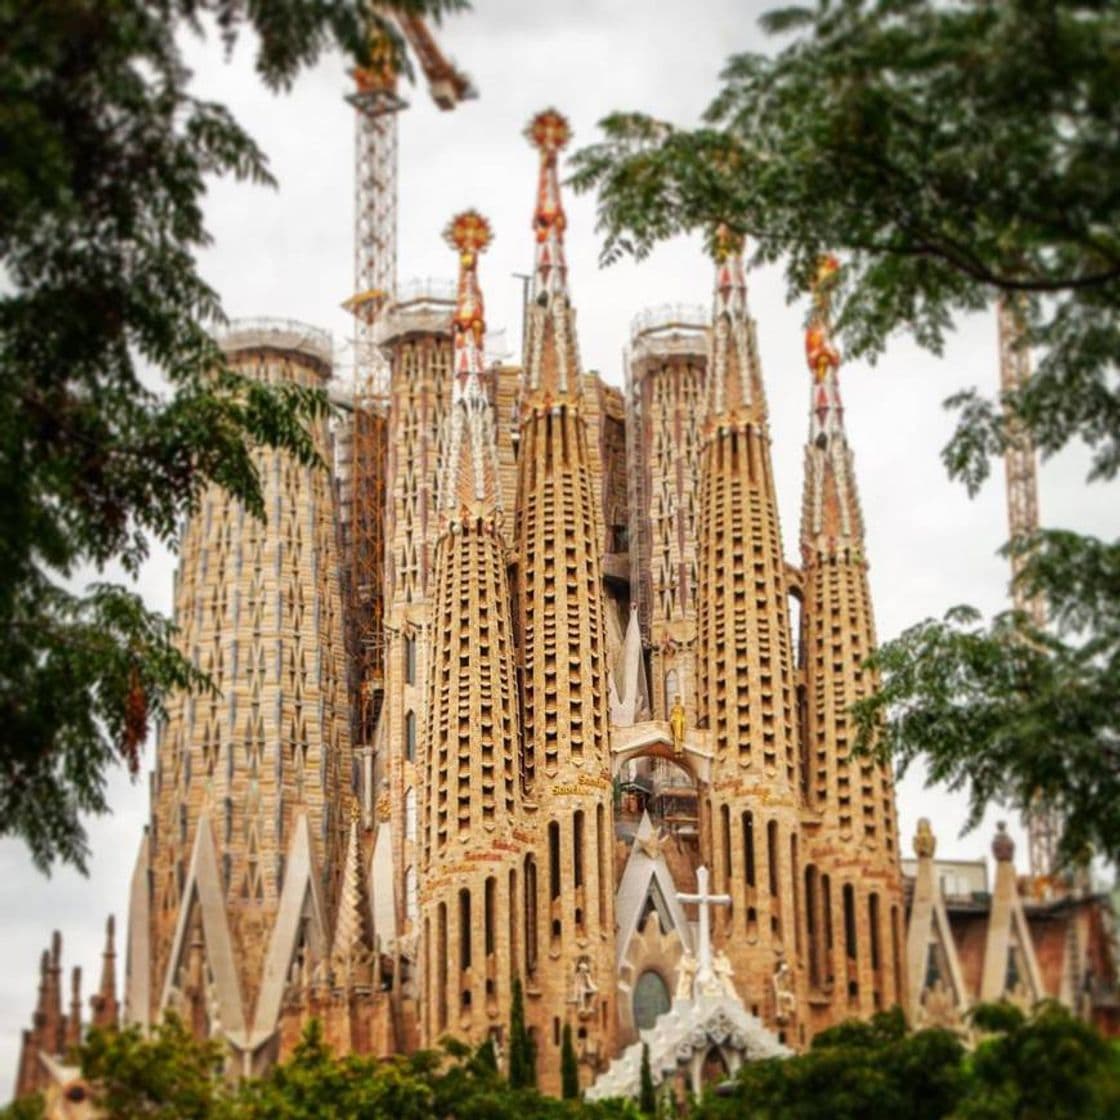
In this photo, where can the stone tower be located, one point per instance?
(252, 783)
(852, 882)
(666, 375)
(744, 661)
(470, 896)
(416, 334)
(569, 920)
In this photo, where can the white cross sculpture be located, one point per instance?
(705, 901)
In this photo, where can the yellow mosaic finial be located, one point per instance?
(469, 232)
(549, 131)
(724, 243)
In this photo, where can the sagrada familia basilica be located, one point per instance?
(605, 750)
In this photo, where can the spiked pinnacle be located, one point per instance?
(831, 516)
(471, 471)
(735, 393)
(552, 368)
(549, 132)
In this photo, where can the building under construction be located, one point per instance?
(517, 696)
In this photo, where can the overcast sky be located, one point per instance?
(288, 253)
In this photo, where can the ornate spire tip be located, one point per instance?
(725, 243)
(468, 232)
(549, 131)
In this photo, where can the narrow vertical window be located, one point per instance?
(441, 966)
(577, 846)
(464, 929)
(725, 841)
(812, 926)
(410, 736)
(850, 921)
(748, 847)
(554, 860)
(530, 914)
(873, 919)
(488, 907)
(604, 871)
(795, 887)
(772, 856)
(409, 659)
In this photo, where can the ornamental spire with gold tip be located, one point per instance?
(746, 680)
(735, 381)
(853, 796)
(470, 479)
(830, 517)
(551, 356)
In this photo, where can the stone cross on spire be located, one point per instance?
(705, 901)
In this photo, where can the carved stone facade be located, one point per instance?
(590, 697)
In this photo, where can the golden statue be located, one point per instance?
(676, 725)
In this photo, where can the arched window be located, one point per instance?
(651, 999)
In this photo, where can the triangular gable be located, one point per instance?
(203, 888)
(138, 968)
(1010, 966)
(301, 907)
(382, 902)
(936, 991)
(642, 875)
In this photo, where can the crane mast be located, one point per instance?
(377, 106)
(1022, 514)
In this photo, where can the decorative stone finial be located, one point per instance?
(1003, 847)
(925, 843)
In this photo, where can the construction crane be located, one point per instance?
(377, 105)
(1043, 828)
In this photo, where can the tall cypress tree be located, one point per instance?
(569, 1071)
(522, 1053)
(647, 1098)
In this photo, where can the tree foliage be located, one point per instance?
(117, 407)
(953, 153)
(168, 1076)
(1046, 1065)
(1011, 712)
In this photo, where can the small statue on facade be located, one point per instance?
(676, 725)
(721, 967)
(785, 999)
(686, 976)
(584, 989)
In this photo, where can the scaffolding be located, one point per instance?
(1042, 824)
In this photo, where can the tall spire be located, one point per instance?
(854, 796)
(549, 132)
(734, 379)
(745, 676)
(552, 369)
(104, 1002)
(351, 952)
(470, 478)
(74, 1019)
(830, 518)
